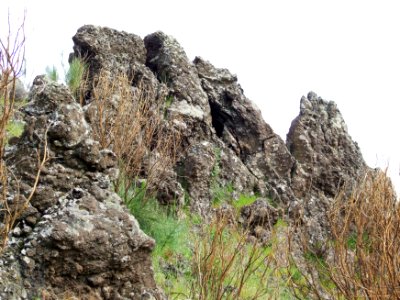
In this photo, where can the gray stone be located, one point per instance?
(82, 239)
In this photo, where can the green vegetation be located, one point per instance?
(76, 75)
(14, 129)
(362, 245)
(168, 102)
(171, 256)
(228, 267)
(196, 260)
(160, 223)
(52, 73)
(220, 193)
(244, 200)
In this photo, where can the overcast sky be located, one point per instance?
(347, 51)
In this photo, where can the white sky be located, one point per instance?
(344, 50)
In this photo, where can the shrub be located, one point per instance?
(11, 65)
(172, 252)
(362, 246)
(159, 222)
(227, 266)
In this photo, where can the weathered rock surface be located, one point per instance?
(215, 116)
(319, 141)
(239, 124)
(76, 238)
(326, 159)
(260, 217)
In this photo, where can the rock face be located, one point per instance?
(223, 129)
(326, 160)
(75, 238)
(319, 141)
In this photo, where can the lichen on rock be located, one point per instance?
(76, 237)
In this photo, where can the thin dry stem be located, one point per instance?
(12, 56)
(130, 121)
(363, 247)
(226, 264)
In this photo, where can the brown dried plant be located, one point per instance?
(362, 259)
(130, 121)
(227, 265)
(12, 204)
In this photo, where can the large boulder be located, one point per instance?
(75, 238)
(108, 49)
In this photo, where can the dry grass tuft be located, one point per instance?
(362, 260)
(130, 121)
(226, 265)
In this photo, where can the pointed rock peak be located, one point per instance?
(163, 50)
(319, 141)
(208, 71)
(312, 96)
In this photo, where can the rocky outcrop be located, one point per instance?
(319, 141)
(168, 61)
(239, 124)
(75, 235)
(327, 159)
(214, 115)
(75, 238)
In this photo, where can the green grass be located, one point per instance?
(75, 75)
(52, 73)
(176, 257)
(221, 194)
(160, 223)
(172, 253)
(14, 129)
(168, 102)
(244, 200)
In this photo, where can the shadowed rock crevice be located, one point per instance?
(218, 120)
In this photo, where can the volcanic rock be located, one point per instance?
(76, 238)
